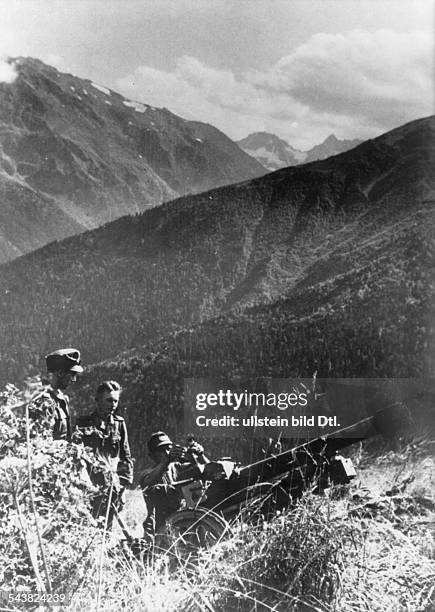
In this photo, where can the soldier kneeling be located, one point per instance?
(161, 497)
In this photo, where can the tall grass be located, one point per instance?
(322, 555)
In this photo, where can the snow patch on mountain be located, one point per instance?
(274, 153)
(138, 106)
(102, 89)
(264, 156)
(300, 156)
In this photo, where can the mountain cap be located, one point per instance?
(158, 440)
(65, 360)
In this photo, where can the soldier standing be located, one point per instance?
(53, 403)
(106, 434)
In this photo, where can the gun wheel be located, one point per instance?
(191, 530)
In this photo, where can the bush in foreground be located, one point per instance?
(46, 531)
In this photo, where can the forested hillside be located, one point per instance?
(318, 234)
(370, 319)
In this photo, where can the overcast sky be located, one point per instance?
(301, 69)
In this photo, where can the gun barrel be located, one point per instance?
(295, 468)
(332, 442)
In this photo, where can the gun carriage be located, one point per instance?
(215, 493)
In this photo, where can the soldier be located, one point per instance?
(63, 367)
(157, 483)
(106, 434)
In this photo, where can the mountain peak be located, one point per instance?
(331, 139)
(270, 150)
(275, 153)
(75, 154)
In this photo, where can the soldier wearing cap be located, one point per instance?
(157, 483)
(63, 366)
(105, 433)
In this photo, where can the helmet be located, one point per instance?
(158, 440)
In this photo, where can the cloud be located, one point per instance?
(382, 76)
(200, 92)
(7, 72)
(355, 84)
(194, 83)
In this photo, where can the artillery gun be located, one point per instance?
(215, 493)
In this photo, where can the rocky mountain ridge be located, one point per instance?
(275, 153)
(74, 155)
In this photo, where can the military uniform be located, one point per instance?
(109, 442)
(53, 404)
(161, 499)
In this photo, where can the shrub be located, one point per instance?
(45, 525)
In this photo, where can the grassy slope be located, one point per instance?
(365, 552)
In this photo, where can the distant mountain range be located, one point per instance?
(74, 155)
(274, 153)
